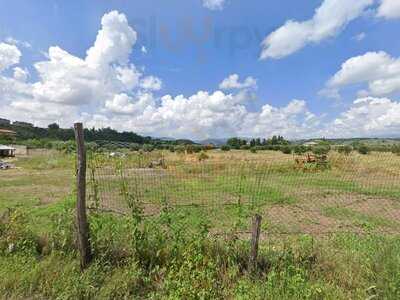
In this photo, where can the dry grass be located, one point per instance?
(266, 181)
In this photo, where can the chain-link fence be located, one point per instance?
(293, 193)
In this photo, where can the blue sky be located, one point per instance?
(188, 48)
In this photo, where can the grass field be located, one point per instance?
(327, 234)
(354, 193)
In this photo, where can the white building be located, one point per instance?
(7, 151)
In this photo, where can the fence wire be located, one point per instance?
(346, 193)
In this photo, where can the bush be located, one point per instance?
(179, 149)
(208, 147)
(134, 147)
(203, 156)
(321, 150)
(253, 150)
(147, 148)
(363, 149)
(300, 149)
(345, 149)
(193, 149)
(225, 148)
(286, 150)
(396, 149)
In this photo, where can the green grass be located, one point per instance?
(359, 219)
(43, 264)
(198, 251)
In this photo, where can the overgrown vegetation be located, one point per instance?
(163, 263)
(179, 253)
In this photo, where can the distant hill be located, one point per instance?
(216, 142)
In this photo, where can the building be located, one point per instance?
(7, 151)
(310, 143)
(5, 122)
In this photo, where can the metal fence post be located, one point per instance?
(81, 217)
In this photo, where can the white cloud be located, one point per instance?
(114, 41)
(359, 37)
(368, 117)
(125, 104)
(329, 93)
(233, 82)
(378, 70)
(389, 9)
(151, 83)
(143, 50)
(214, 4)
(20, 74)
(9, 56)
(204, 115)
(106, 89)
(329, 19)
(13, 41)
(66, 80)
(292, 121)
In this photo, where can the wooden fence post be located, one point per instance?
(81, 218)
(255, 236)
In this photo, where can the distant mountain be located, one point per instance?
(216, 142)
(163, 138)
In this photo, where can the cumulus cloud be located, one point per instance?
(13, 41)
(114, 41)
(329, 19)
(368, 117)
(233, 82)
(389, 9)
(20, 74)
(214, 4)
(151, 83)
(9, 56)
(125, 104)
(106, 89)
(66, 80)
(378, 70)
(205, 115)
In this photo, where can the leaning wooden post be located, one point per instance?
(81, 218)
(255, 236)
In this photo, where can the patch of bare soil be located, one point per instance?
(385, 208)
(296, 219)
(308, 216)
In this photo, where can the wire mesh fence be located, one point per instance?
(223, 190)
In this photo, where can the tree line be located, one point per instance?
(41, 136)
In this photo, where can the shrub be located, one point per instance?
(134, 147)
(253, 150)
(363, 149)
(286, 150)
(208, 147)
(225, 148)
(147, 148)
(203, 156)
(321, 150)
(345, 149)
(193, 149)
(179, 149)
(300, 149)
(396, 149)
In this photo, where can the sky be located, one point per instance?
(204, 69)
